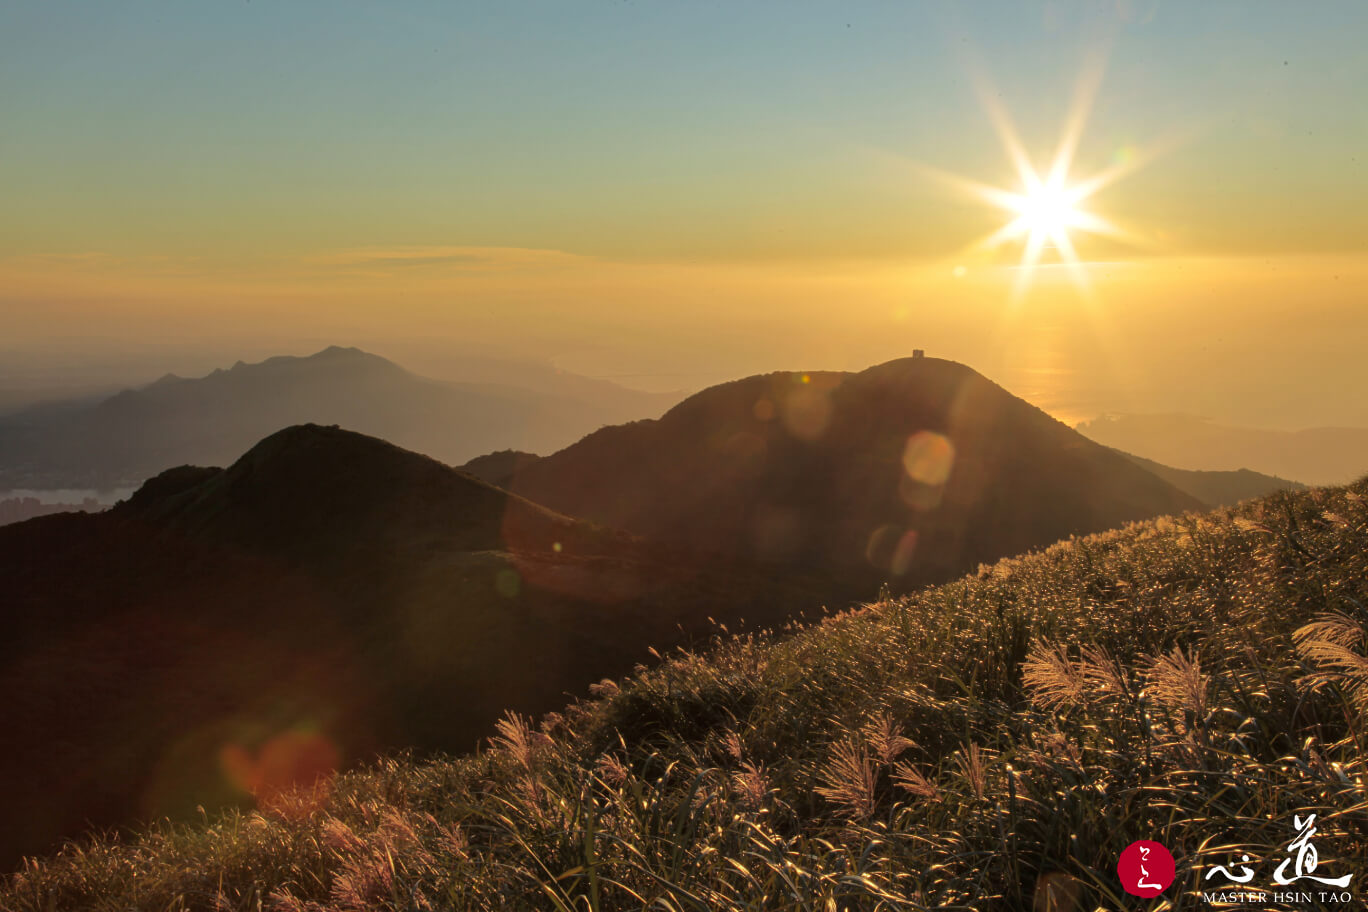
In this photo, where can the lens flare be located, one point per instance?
(928, 458)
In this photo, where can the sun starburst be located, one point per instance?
(1046, 212)
(1048, 208)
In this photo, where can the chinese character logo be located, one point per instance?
(1299, 866)
(1245, 876)
(1146, 868)
(1304, 857)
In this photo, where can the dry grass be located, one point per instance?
(989, 744)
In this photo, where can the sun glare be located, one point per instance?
(1047, 211)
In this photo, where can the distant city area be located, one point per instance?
(17, 506)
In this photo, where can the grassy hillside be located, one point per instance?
(980, 745)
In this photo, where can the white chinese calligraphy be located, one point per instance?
(1306, 857)
(1143, 882)
(1244, 878)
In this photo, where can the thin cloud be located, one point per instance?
(459, 258)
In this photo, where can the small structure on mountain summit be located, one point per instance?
(919, 353)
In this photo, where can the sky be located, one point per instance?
(672, 194)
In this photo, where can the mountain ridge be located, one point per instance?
(1317, 456)
(846, 470)
(1217, 488)
(133, 434)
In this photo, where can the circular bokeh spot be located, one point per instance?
(928, 457)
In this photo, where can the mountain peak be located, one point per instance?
(308, 488)
(334, 356)
(928, 373)
(910, 471)
(340, 351)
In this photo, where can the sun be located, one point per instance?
(1049, 208)
(1047, 211)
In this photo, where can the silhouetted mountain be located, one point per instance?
(912, 471)
(1316, 456)
(1217, 489)
(210, 420)
(327, 596)
(499, 468)
(322, 491)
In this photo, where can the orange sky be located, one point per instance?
(674, 196)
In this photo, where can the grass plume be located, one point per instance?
(988, 744)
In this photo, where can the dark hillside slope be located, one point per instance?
(911, 471)
(991, 744)
(327, 596)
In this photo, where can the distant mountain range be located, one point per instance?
(1317, 456)
(1217, 489)
(124, 438)
(330, 595)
